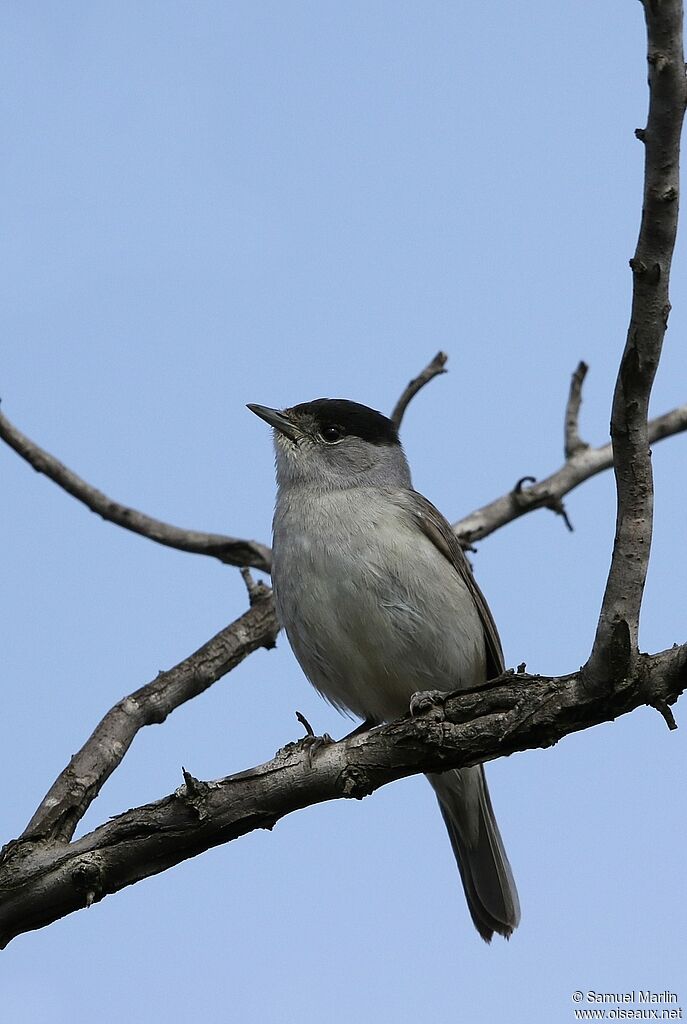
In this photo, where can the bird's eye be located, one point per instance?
(332, 433)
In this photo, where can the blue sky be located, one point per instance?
(209, 204)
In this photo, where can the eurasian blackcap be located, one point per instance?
(379, 602)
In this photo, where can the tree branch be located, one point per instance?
(583, 465)
(229, 550)
(78, 785)
(41, 882)
(615, 643)
(432, 370)
(573, 442)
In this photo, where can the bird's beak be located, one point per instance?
(279, 420)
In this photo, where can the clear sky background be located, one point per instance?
(214, 203)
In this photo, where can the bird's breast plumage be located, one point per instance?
(373, 610)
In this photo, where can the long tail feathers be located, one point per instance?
(484, 869)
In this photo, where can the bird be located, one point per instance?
(379, 603)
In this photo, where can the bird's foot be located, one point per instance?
(426, 699)
(313, 744)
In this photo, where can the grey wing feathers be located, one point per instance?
(463, 796)
(444, 539)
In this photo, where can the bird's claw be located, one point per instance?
(310, 743)
(426, 699)
(313, 745)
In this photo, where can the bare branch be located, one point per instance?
(78, 785)
(432, 370)
(615, 644)
(585, 464)
(573, 442)
(41, 882)
(229, 550)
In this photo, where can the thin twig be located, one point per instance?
(229, 550)
(573, 442)
(309, 731)
(666, 713)
(432, 370)
(257, 591)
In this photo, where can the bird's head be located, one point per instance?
(332, 443)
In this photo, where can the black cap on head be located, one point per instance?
(353, 418)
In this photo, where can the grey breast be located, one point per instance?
(373, 611)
